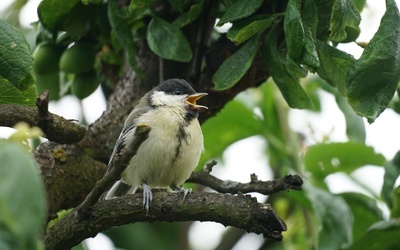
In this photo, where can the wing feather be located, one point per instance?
(129, 127)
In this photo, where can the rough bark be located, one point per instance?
(68, 175)
(242, 212)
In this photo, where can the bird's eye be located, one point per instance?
(177, 92)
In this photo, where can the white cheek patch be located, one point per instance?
(160, 98)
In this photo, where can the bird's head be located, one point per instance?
(176, 94)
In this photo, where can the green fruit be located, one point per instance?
(79, 58)
(396, 107)
(46, 58)
(51, 83)
(352, 34)
(84, 84)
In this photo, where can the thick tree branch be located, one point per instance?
(60, 169)
(68, 175)
(233, 187)
(55, 128)
(239, 211)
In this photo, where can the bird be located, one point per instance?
(174, 145)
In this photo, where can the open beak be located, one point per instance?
(191, 101)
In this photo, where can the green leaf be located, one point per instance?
(190, 15)
(345, 19)
(244, 29)
(123, 33)
(313, 89)
(365, 212)
(234, 68)
(22, 199)
(324, 10)
(233, 123)
(335, 65)
(15, 56)
(80, 246)
(49, 82)
(274, 128)
(9, 94)
(300, 199)
(294, 31)
(395, 209)
(288, 84)
(227, 3)
(359, 4)
(65, 83)
(76, 22)
(381, 235)
(309, 18)
(355, 128)
(324, 159)
(392, 172)
(335, 218)
(372, 80)
(167, 41)
(268, 103)
(52, 13)
(139, 234)
(240, 9)
(177, 4)
(138, 8)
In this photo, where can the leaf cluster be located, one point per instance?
(311, 30)
(346, 220)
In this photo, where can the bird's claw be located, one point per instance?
(185, 192)
(147, 197)
(182, 190)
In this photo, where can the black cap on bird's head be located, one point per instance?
(176, 87)
(183, 88)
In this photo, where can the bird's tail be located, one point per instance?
(118, 189)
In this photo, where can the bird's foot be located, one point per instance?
(182, 190)
(147, 197)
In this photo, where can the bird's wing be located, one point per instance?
(129, 127)
(119, 145)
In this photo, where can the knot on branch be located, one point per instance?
(42, 103)
(292, 182)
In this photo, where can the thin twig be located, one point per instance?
(263, 187)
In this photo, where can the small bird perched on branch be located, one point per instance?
(173, 147)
